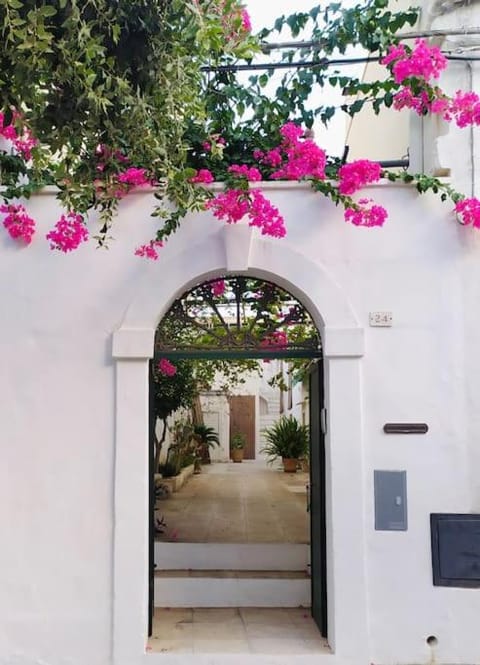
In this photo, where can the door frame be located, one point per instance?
(346, 510)
(347, 609)
(222, 354)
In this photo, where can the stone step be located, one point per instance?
(238, 574)
(232, 556)
(231, 588)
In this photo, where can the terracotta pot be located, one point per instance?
(237, 454)
(289, 465)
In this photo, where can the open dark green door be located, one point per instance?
(151, 502)
(317, 499)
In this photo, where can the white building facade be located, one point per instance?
(76, 337)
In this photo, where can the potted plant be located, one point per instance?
(205, 438)
(237, 444)
(286, 439)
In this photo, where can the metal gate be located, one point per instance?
(317, 498)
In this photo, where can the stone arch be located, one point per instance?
(238, 249)
(234, 250)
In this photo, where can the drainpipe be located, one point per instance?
(472, 134)
(395, 163)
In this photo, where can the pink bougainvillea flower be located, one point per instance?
(24, 142)
(19, 225)
(203, 176)
(275, 340)
(166, 368)
(297, 159)
(278, 339)
(235, 20)
(149, 251)
(395, 52)
(464, 109)
(229, 206)
(291, 132)
(246, 21)
(273, 157)
(233, 205)
(7, 131)
(266, 216)
(441, 105)
(423, 62)
(214, 144)
(468, 211)
(357, 174)
(218, 288)
(414, 70)
(134, 176)
(243, 171)
(421, 103)
(69, 232)
(365, 215)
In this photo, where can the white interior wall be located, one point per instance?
(216, 414)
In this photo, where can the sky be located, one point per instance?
(263, 14)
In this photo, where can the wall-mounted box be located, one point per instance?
(455, 549)
(390, 489)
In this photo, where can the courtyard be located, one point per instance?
(239, 503)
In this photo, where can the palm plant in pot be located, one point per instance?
(205, 438)
(237, 444)
(287, 439)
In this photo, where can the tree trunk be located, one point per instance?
(159, 444)
(197, 414)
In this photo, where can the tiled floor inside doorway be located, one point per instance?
(233, 504)
(236, 630)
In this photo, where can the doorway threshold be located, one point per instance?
(244, 630)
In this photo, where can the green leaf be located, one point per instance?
(47, 10)
(263, 80)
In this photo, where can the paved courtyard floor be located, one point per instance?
(239, 503)
(236, 630)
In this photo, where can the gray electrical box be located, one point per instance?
(390, 488)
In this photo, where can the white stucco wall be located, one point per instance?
(216, 414)
(61, 416)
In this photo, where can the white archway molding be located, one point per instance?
(240, 249)
(234, 250)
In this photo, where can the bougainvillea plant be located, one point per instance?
(211, 322)
(78, 79)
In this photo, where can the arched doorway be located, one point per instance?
(228, 329)
(343, 347)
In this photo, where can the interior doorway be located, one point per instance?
(242, 417)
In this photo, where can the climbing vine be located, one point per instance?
(78, 80)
